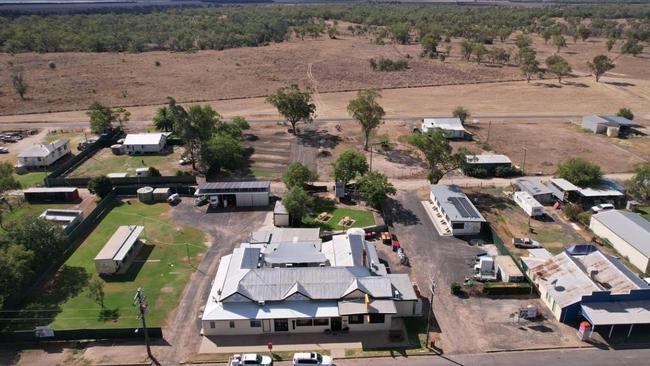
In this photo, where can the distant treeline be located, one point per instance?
(223, 27)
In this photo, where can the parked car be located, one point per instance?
(185, 161)
(252, 359)
(312, 358)
(526, 243)
(395, 244)
(3, 150)
(602, 207)
(386, 238)
(174, 198)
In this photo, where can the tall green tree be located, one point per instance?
(461, 113)
(580, 172)
(367, 111)
(583, 32)
(559, 41)
(19, 83)
(639, 186)
(558, 66)
(95, 292)
(600, 65)
(349, 165)
(196, 128)
(222, 151)
(528, 63)
(167, 117)
(100, 186)
(429, 43)
(626, 113)
(374, 188)
(298, 175)
(293, 104)
(632, 47)
(610, 44)
(102, 117)
(523, 41)
(298, 203)
(15, 268)
(45, 239)
(7, 179)
(466, 49)
(401, 33)
(438, 153)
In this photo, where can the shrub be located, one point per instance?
(385, 143)
(506, 171)
(500, 288)
(455, 288)
(51, 65)
(584, 218)
(386, 64)
(572, 211)
(157, 63)
(625, 113)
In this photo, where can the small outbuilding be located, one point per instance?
(51, 194)
(535, 188)
(507, 269)
(280, 215)
(161, 194)
(610, 125)
(454, 211)
(68, 219)
(145, 143)
(452, 127)
(528, 204)
(120, 250)
(237, 194)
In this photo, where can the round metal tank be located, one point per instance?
(145, 194)
(117, 149)
(612, 131)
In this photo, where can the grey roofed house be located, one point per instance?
(488, 159)
(455, 203)
(274, 236)
(533, 186)
(599, 123)
(629, 226)
(288, 253)
(42, 150)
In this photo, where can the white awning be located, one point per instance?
(617, 312)
(288, 309)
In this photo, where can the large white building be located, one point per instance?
(455, 211)
(628, 232)
(290, 286)
(42, 155)
(452, 127)
(145, 143)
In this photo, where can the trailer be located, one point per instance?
(528, 204)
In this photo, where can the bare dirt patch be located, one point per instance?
(549, 143)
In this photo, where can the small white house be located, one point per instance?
(120, 250)
(42, 155)
(280, 215)
(528, 204)
(455, 210)
(144, 143)
(452, 127)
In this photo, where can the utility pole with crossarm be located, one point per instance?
(140, 300)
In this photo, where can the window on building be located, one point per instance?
(304, 322)
(355, 319)
(212, 325)
(377, 318)
(231, 323)
(320, 322)
(458, 225)
(256, 323)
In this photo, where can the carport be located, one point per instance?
(239, 194)
(617, 314)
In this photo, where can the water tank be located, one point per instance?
(612, 131)
(117, 149)
(145, 194)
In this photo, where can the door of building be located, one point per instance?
(335, 324)
(266, 325)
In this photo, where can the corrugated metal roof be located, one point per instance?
(295, 253)
(443, 123)
(120, 243)
(488, 159)
(42, 150)
(455, 203)
(617, 312)
(153, 138)
(359, 306)
(609, 120)
(631, 227)
(532, 186)
(507, 265)
(564, 184)
(235, 185)
(50, 190)
(288, 309)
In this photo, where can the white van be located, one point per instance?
(312, 359)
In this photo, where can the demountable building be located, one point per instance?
(120, 250)
(528, 204)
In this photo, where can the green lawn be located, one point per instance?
(105, 162)
(362, 218)
(645, 212)
(31, 210)
(161, 270)
(31, 179)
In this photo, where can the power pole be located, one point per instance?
(140, 301)
(487, 140)
(523, 165)
(430, 310)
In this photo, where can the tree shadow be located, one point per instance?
(109, 315)
(576, 84)
(403, 158)
(395, 212)
(618, 83)
(322, 138)
(548, 85)
(45, 305)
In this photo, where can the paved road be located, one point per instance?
(581, 357)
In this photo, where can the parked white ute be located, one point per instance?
(312, 359)
(251, 359)
(602, 207)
